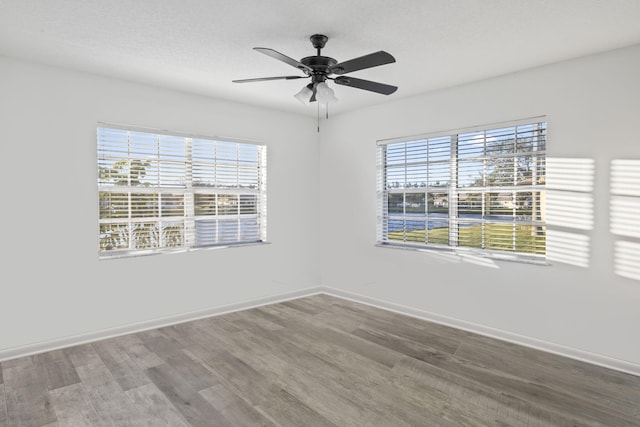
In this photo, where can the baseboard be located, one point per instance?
(70, 341)
(550, 347)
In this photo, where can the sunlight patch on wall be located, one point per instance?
(570, 174)
(625, 216)
(568, 248)
(569, 209)
(625, 177)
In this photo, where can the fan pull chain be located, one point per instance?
(318, 117)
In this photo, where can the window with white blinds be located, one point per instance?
(471, 189)
(167, 193)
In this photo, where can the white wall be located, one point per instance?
(53, 284)
(592, 106)
(60, 289)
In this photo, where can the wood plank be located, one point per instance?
(125, 371)
(73, 408)
(543, 368)
(401, 345)
(138, 352)
(515, 391)
(261, 389)
(236, 374)
(26, 395)
(285, 313)
(316, 324)
(22, 372)
(193, 407)
(343, 307)
(198, 377)
(82, 355)
(248, 318)
(332, 320)
(160, 342)
(473, 402)
(303, 306)
(198, 335)
(316, 383)
(28, 406)
(3, 407)
(109, 401)
(265, 319)
(336, 335)
(235, 409)
(58, 368)
(221, 323)
(292, 317)
(374, 352)
(288, 411)
(562, 364)
(370, 387)
(438, 337)
(158, 410)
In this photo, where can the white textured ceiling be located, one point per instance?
(199, 46)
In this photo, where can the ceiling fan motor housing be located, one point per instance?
(320, 65)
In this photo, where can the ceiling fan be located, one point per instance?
(319, 69)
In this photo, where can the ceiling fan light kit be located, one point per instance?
(304, 96)
(324, 94)
(320, 69)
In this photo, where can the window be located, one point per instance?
(166, 193)
(473, 189)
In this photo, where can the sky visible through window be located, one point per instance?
(480, 189)
(162, 191)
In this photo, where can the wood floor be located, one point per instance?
(315, 361)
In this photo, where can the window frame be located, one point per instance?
(187, 220)
(453, 190)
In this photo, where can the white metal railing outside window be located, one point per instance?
(470, 189)
(171, 193)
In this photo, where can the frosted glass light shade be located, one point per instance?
(304, 96)
(324, 94)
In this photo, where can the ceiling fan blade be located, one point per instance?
(264, 79)
(284, 58)
(367, 61)
(366, 85)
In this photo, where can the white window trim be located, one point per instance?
(189, 191)
(452, 192)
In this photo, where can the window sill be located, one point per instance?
(470, 253)
(135, 254)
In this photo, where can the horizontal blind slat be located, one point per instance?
(147, 183)
(498, 197)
